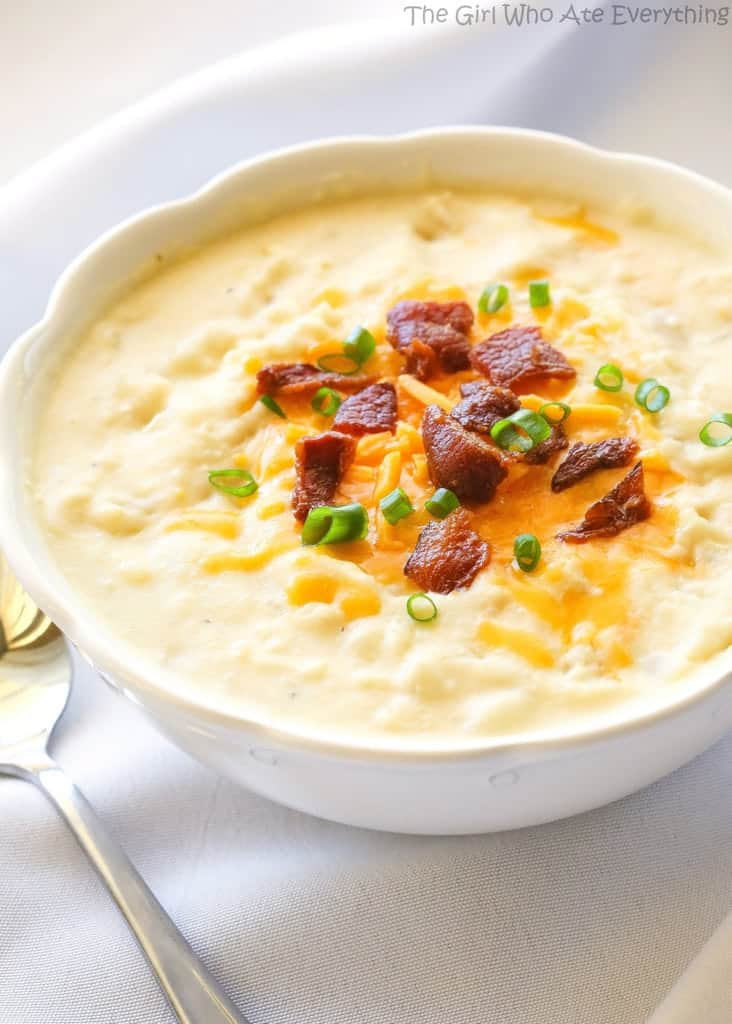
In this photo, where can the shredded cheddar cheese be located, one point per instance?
(569, 311)
(270, 509)
(318, 587)
(294, 431)
(409, 439)
(246, 561)
(252, 364)
(334, 297)
(360, 604)
(518, 642)
(423, 392)
(583, 413)
(361, 474)
(372, 448)
(580, 223)
(655, 461)
(309, 587)
(225, 524)
(419, 470)
(389, 476)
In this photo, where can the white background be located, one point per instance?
(587, 921)
(66, 64)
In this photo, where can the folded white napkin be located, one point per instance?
(704, 991)
(587, 921)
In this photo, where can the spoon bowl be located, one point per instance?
(35, 673)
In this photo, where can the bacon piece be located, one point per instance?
(369, 412)
(583, 459)
(320, 463)
(303, 378)
(421, 359)
(457, 315)
(440, 327)
(625, 505)
(459, 459)
(556, 442)
(519, 358)
(449, 554)
(450, 349)
(482, 406)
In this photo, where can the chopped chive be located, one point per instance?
(493, 298)
(238, 491)
(396, 506)
(269, 403)
(339, 362)
(521, 431)
(609, 378)
(359, 345)
(442, 503)
(547, 411)
(527, 551)
(539, 294)
(712, 436)
(652, 396)
(334, 524)
(421, 608)
(326, 401)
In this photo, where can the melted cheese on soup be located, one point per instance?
(219, 594)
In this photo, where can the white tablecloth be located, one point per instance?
(588, 921)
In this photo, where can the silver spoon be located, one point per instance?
(35, 681)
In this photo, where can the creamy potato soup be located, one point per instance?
(418, 469)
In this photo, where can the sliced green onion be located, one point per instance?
(333, 524)
(359, 345)
(442, 503)
(396, 506)
(555, 412)
(527, 551)
(216, 476)
(652, 396)
(711, 436)
(326, 401)
(493, 298)
(521, 431)
(609, 378)
(539, 294)
(421, 608)
(269, 403)
(339, 362)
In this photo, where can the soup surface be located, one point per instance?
(593, 616)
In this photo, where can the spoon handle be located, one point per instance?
(193, 994)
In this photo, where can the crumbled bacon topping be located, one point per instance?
(320, 463)
(459, 459)
(303, 379)
(583, 459)
(456, 314)
(431, 335)
(369, 412)
(556, 442)
(421, 360)
(624, 506)
(483, 405)
(434, 338)
(519, 358)
(449, 554)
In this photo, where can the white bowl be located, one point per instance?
(503, 784)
